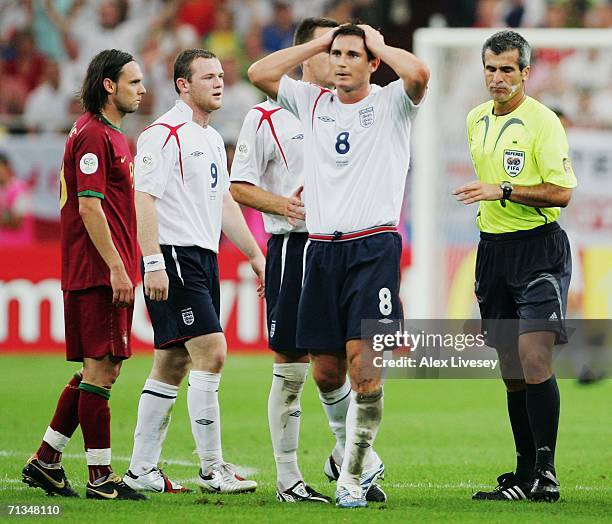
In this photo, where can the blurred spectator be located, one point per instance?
(489, 13)
(199, 14)
(48, 37)
(557, 13)
(223, 40)
(161, 79)
(16, 222)
(109, 29)
(13, 94)
(47, 108)
(515, 14)
(253, 50)
(599, 15)
(249, 15)
(14, 15)
(278, 34)
(26, 64)
(340, 10)
(239, 96)
(167, 38)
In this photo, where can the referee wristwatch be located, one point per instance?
(506, 188)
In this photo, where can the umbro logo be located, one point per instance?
(204, 422)
(196, 153)
(295, 414)
(326, 119)
(298, 137)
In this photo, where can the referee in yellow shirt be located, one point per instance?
(520, 154)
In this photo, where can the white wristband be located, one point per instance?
(154, 262)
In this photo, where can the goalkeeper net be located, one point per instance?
(571, 72)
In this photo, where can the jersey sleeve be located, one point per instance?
(552, 154)
(400, 100)
(154, 162)
(252, 155)
(296, 96)
(93, 158)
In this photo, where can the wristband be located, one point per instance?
(154, 262)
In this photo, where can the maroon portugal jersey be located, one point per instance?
(97, 164)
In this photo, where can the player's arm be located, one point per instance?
(90, 209)
(235, 227)
(540, 195)
(267, 72)
(413, 71)
(252, 196)
(250, 164)
(155, 280)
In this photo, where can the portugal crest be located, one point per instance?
(366, 116)
(514, 161)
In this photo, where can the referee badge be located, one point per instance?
(514, 161)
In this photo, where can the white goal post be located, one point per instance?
(429, 198)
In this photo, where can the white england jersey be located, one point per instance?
(269, 154)
(184, 166)
(356, 156)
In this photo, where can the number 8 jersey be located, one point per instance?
(356, 156)
(184, 166)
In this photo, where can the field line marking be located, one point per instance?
(243, 470)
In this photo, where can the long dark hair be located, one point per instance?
(106, 64)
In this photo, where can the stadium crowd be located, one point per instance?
(45, 46)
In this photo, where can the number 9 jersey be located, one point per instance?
(184, 166)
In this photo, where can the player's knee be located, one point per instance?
(112, 373)
(327, 379)
(181, 368)
(534, 363)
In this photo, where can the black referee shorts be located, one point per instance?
(523, 276)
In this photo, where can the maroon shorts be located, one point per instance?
(94, 327)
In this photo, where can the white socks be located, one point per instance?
(284, 420)
(203, 405)
(362, 423)
(154, 408)
(336, 404)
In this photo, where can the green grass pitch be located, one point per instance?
(440, 441)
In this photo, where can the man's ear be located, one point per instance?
(181, 83)
(374, 64)
(525, 72)
(109, 86)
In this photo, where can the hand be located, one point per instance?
(258, 264)
(294, 207)
(123, 289)
(326, 39)
(477, 191)
(374, 40)
(156, 285)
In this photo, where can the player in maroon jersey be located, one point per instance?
(99, 268)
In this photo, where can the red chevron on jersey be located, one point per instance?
(173, 133)
(266, 115)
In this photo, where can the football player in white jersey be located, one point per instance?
(183, 203)
(267, 175)
(355, 166)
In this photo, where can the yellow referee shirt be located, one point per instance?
(525, 147)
